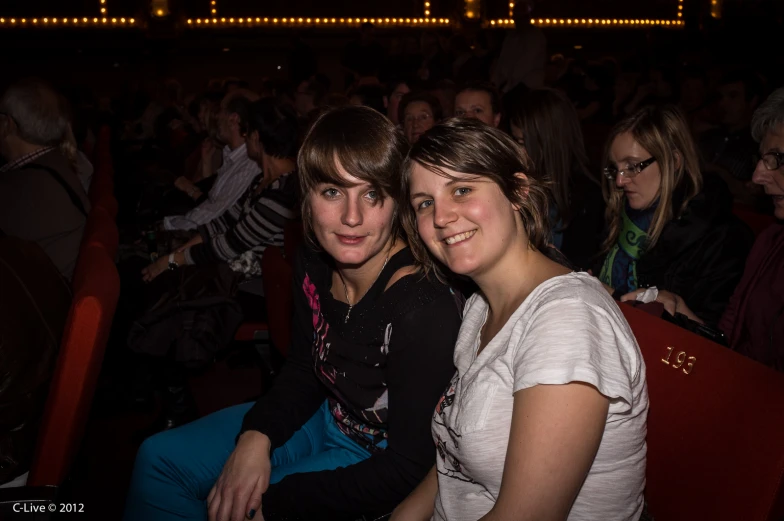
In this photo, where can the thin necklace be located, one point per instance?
(345, 288)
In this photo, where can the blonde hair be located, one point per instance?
(664, 133)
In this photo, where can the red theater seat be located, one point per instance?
(96, 287)
(754, 220)
(101, 230)
(276, 274)
(715, 428)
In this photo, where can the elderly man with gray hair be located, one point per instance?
(41, 197)
(754, 318)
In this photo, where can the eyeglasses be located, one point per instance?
(771, 160)
(630, 171)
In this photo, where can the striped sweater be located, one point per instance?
(241, 235)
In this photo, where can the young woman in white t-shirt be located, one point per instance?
(545, 418)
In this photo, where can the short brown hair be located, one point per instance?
(364, 143)
(425, 97)
(471, 147)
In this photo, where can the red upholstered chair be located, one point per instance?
(96, 287)
(293, 235)
(715, 428)
(101, 230)
(754, 220)
(102, 153)
(276, 273)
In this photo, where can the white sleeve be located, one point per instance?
(571, 340)
(224, 194)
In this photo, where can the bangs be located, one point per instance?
(357, 141)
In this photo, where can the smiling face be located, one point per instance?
(466, 222)
(476, 104)
(351, 223)
(642, 190)
(772, 180)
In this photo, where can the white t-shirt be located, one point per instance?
(567, 330)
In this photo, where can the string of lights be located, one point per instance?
(302, 21)
(66, 22)
(589, 22)
(103, 7)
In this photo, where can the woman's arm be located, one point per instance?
(419, 505)
(555, 434)
(262, 226)
(419, 368)
(296, 393)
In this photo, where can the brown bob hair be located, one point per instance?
(364, 143)
(472, 147)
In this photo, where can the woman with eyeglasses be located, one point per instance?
(669, 227)
(754, 318)
(419, 112)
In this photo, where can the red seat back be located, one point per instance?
(754, 220)
(276, 273)
(96, 287)
(102, 154)
(715, 428)
(293, 235)
(101, 230)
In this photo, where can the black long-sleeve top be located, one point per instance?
(382, 372)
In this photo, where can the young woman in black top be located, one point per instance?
(345, 430)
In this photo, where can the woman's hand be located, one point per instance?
(156, 268)
(672, 303)
(236, 495)
(420, 504)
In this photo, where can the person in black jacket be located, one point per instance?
(545, 122)
(345, 430)
(668, 226)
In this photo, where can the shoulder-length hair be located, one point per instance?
(554, 142)
(664, 133)
(360, 140)
(471, 147)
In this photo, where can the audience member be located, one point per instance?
(729, 148)
(669, 227)
(370, 96)
(395, 93)
(545, 122)
(233, 177)
(479, 100)
(754, 318)
(418, 112)
(363, 57)
(445, 91)
(546, 414)
(41, 197)
(344, 431)
(523, 54)
(240, 235)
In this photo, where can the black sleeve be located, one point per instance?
(296, 393)
(723, 262)
(420, 367)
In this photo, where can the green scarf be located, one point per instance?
(619, 270)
